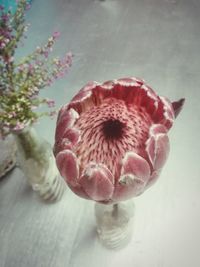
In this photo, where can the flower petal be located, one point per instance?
(98, 182)
(89, 86)
(131, 81)
(62, 112)
(73, 135)
(154, 177)
(68, 166)
(161, 150)
(78, 190)
(157, 146)
(81, 96)
(168, 112)
(108, 85)
(134, 176)
(129, 186)
(62, 144)
(150, 149)
(83, 100)
(66, 120)
(156, 129)
(134, 164)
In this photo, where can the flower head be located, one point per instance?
(111, 139)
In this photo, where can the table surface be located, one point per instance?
(158, 40)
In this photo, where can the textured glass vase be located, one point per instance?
(115, 223)
(37, 162)
(7, 155)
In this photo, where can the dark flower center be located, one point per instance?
(112, 129)
(108, 131)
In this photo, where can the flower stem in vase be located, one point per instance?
(7, 155)
(115, 210)
(115, 223)
(37, 162)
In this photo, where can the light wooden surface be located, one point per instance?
(158, 40)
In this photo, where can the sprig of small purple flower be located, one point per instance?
(21, 82)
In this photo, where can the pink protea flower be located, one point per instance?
(111, 140)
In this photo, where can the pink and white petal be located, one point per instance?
(83, 101)
(90, 86)
(150, 149)
(131, 81)
(66, 120)
(138, 80)
(157, 148)
(62, 144)
(78, 190)
(108, 85)
(129, 186)
(81, 96)
(98, 182)
(146, 97)
(161, 150)
(168, 106)
(135, 174)
(67, 164)
(177, 106)
(150, 92)
(135, 165)
(73, 135)
(156, 129)
(62, 112)
(168, 112)
(128, 90)
(154, 177)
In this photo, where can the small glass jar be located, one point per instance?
(8, 155)
(115, 223)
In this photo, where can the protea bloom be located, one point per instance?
(111, 140)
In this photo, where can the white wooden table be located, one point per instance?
(158, 40)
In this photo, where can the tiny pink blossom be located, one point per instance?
(28, 6)
(49, 82)
(68, 58)
(50, 103)
(30, 68)
(19, 126)
(56, 34)
(12, 114)
(46, 54)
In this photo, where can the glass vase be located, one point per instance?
(7, 155)
(36, 160)
(115, 223)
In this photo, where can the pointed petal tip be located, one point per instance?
(177, 106)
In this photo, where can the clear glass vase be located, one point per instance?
(115, 223)
(7, 155)
(36, 160)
